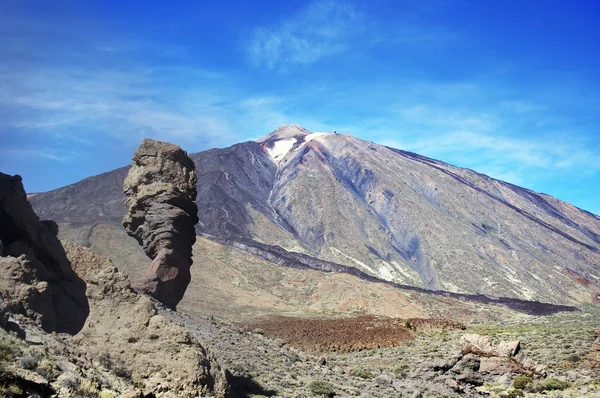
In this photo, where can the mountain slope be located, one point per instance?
(389, 213)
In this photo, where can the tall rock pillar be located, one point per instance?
(161, 214)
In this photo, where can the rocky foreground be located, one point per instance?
(72, 325)
(132, 346)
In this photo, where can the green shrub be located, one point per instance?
(319, 387)
(47, 369)
(69, 380)
(363, 373)
(552, 383)
(521, 381)
(28, 361)
(7, 351)
(514, 393)
(401, 371)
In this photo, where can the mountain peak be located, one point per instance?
(285, 131)
(287, 139)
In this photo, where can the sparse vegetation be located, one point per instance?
(47, 369)
(401, 371)
(515, 393)
(30, 359)
(321, 388)
(363, 373)
(574, 358)
(69, 380)
(7, 351)
(88, 389)
(553, 383)
(521, 381)
(12, 390)
(120, 370)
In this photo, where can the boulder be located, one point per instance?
(499, 365)
(477, 344)
(480, 362)
(36, 278)
(482, 346)
(508, 348)
(161, 215)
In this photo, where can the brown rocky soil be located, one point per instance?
(344, 334)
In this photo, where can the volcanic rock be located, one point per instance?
(480, 362)
(161, 214)
(132, 332)
(482, 346)
(36, 278)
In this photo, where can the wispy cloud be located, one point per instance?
(501, 139)
(469, 147)
(327, 28)
(33, 153)
(322, 29)
(124, 106)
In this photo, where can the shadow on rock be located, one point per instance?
(36, 278)
(246, 387)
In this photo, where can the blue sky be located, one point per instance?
(508, 88)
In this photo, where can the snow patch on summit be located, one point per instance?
(281, 148)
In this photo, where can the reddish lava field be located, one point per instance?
(345, 334)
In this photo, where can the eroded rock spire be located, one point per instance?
(161, 214)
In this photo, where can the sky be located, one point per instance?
(509, 88)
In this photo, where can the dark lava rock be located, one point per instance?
(36, 278)
(161, 214)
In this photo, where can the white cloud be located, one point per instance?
(83, 105)
(30, 153)
(321, 29)
(504, 157)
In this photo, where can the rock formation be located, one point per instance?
(120, 337)
(161, 214)
(480, 361)
(36, 278)
(130, 331)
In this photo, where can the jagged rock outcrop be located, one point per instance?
(480, 362)
(161, 214)
(132, 332)
(36, 278)
(120, 337)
